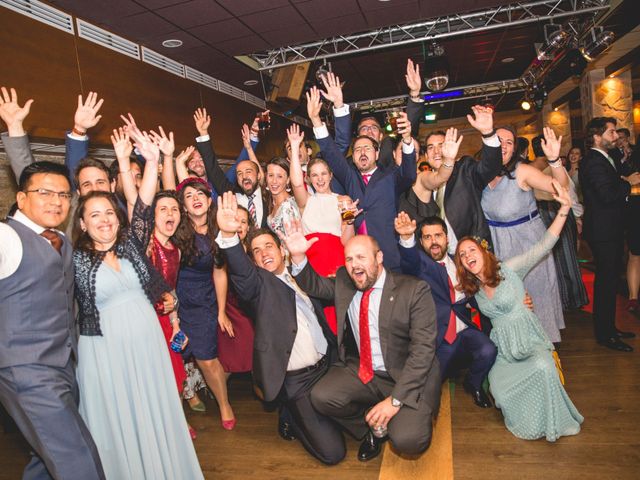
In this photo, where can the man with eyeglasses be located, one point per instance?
(38, 342)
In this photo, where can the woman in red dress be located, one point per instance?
(321, 214)
(235, 349)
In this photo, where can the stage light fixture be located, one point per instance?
(436, 69)
(598, 44)
(555, 40)
(538, 96)
(525, 105)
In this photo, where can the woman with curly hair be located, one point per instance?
(523, 380)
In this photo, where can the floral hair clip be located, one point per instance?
(482, 242)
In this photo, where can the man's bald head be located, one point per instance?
(363, 261)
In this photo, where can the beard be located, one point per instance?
(365, 282)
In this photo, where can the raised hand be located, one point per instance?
(245, 132)
(129, 121)
(12, 113)
(255, 127)
(121, 144)
(295, 136)
(166, 144)
(184, 155)
(413, 78)
(227, 214)
(314, 105)
(551, 144)
(333, 89)
(405, 227)
(482, 119)
(451, 144)
(202, 121)
(561, 194)
(295, 241)
(404, 126)
(147, 147)
(86, 115)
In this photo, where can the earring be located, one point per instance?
(288, 188)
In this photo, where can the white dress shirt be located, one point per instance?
(243, 200)
(11, 246)
(309, 345)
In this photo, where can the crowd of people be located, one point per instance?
(351, 283)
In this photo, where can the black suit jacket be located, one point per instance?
(219, 180)
(276, 326)
(605, 195)
(407, 323)
(463, 194)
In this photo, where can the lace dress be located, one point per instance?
(507, 202)
(287, 211)
(524, 380)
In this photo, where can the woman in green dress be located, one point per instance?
(524, 380)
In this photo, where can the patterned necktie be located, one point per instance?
(366, 177)
(366, 366)
(252, 208)
(54, 238)
(450, 334)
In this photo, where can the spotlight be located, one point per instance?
(525, 105)
(436, 69)
(554, 42)
(597, 45)
(538, 96)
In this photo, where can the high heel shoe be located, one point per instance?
(229, 424)
(198, 407)
(192, 433)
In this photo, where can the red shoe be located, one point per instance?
(192, 433)
(229, 424)
(633, 307)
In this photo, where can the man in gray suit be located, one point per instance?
(390, 382)
(37, 327)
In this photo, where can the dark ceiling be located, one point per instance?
(213, 32)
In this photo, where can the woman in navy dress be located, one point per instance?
(202, 289)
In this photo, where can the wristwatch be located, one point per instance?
(490, 134)
(395, 402)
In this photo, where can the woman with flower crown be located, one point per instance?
(525, 379)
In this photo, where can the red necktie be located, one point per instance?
(54, 238)
(366, 177)
(366, 367)
(450, 334)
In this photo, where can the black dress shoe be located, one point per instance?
(621, 334)
(480, 398)
(370, 447)
(614, 343)
(285, 430)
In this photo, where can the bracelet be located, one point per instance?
(75, 131)
(490, 134)
(447, 165)
(555, 164)
(553, 161)
(126, 171)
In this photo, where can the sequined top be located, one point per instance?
(166, 260)
(133, 248)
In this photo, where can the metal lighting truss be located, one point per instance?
(479, 90)
(512, 14)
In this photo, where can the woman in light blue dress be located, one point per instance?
(128, 395)
(512, 215)
(523, 380)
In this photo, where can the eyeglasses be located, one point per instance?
(45, 194)
(364, 148)
(370, 128)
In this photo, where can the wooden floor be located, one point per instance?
(604, 385)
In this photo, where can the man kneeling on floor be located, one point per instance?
(386, 382)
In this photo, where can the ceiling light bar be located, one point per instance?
(515, 13)
(456, 94)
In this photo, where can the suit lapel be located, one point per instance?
(344, 296)
(387, 302)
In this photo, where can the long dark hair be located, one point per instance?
(81, 239)
(510, 167)
(185, 236)
(282, 163)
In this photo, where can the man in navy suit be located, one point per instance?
(377, 188)
(458, 337)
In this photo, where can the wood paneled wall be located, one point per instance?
(53, 67)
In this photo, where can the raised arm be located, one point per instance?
(333, 93)
(248, 148)
(523, 263)
(16, 142)
(406, 174)
(181, 163)
(409, 259)
(244, 154)
(215, 174)
(296, 175)
(123, 148)
(76, 141)
(151, 153)
(415, 104)
(167, 147)
(431, 180)
(530, 177)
